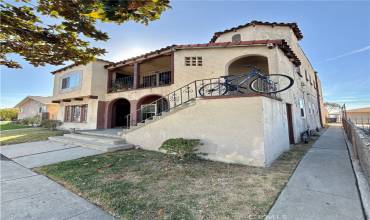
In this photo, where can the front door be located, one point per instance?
(148, 111)
(290, 123)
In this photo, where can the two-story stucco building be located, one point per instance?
(155, 96)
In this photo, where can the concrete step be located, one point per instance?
(101, 133)
(105, 147)
(99, 139)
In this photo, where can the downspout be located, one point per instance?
(318, 99)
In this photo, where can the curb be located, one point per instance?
(362, 184)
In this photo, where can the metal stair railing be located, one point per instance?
(170, 101)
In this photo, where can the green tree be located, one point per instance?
(24, 32)
(8, 114)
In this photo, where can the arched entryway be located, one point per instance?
(151, 105)
(242, 65)
(120, 109)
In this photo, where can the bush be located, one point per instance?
(181, 148)
(35, 120)
(8, 114)
(50, 124)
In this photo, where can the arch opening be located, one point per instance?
(148, 106)
(120, 110)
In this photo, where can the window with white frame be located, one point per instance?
(72, 80)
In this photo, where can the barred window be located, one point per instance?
(150, 81)
(165, 78)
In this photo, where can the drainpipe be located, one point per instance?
(318, 99)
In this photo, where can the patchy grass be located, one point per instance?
(10, 126)
(18, 136)
(138, 184)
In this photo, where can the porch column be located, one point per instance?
(172, 67)
(136, 75)
(109, 80)
(133, 110)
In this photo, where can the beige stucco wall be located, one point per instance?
(29, 109)
(231, 130)
(93, 81)
(260, 32)
(53, 111)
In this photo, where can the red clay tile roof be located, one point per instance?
(294, 27)
(282, 44)
(74, 64)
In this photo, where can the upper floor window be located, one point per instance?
(297, 70)
(301, 106)
(305, 72)
(193, 61)
(165, 78)
(150, 81)
(236, 38)
(71, 81)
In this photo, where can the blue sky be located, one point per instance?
(336, 40)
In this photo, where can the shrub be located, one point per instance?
(181, 148)
(50, 124)
(35, 120)
(8, 114)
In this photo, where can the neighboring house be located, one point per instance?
(37, 106)
(359, 115)
(252, 128)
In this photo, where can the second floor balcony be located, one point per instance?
(148, 73)
(126, 82)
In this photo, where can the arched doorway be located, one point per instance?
(120, 109)
(242, 66)
(151, 105)
(239, 66)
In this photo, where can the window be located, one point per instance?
(165, 78)
(301, 106)
(75, 113)
(305, 72)
(148, 111)
(187, 61)
(193, 61)
(84, 113)
(199, 61)
(236, 38)
(297, 70)
(42, 109)
(71, 81)
(150, 81)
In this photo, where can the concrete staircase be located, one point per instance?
(103, 142)
(158, 117)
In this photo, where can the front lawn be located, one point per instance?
(138, 184)
(18, 136)
(10, 126)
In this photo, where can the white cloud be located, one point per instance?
(364, 49)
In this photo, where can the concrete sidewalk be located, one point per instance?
(323, 185)
(40, 153)
(27, 195)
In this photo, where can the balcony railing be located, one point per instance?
(123, 84)
(155, 80)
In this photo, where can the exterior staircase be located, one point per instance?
(95, 140)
